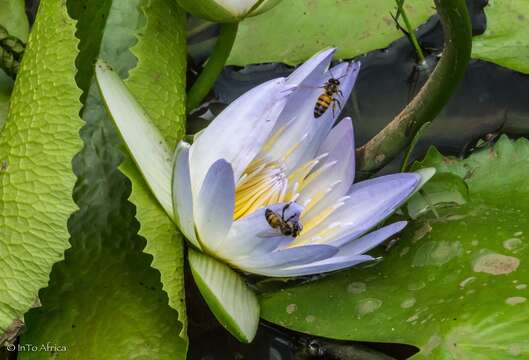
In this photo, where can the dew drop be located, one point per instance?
(416, 286)
(310, 318)
(467, 281)
(291, 308)
(521, 286)
(367, 306)
(408, 303)
(356, 287)
(512, 243)
(514, 300)
(496, 264)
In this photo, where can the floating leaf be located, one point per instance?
(506, 40)
(36, 149)
(295, 30)
(455, 286)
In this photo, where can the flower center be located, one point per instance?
(266, 183)
(262, 184)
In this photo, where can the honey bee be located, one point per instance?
(330, 89)
(288, 227)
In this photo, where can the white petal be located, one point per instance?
(336, 174)
(319, 267)
(288, 257)
(253, 236)
(236, 7)
(370, 202)
(312, 69)
(367, 242)
(145, 143)
(213, 208)
(238, 133)
(182, 197)
(299, 115)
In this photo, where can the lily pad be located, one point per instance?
(454, 286)
(294, 30)
(506, 40)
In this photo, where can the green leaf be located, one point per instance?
(442, 190)
(36, 149)
(104, 301)
(144, 141)
(13, 18)
(506, 39)
(295, 30)
(232, 302)
(106, 282)
(455, 287)
(158, 82)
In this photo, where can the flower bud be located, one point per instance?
(226, 10)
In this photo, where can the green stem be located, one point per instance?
(432, 97)
(213, 67)
(411, 31)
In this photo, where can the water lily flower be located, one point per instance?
(226, 10)
(263, 166)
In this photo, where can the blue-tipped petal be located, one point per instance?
(369, 203)
(312, 69)
(213, 207)
(298, 116)
(319, 267)
(182, 198)
(326, 186)
(238, 133)
(373, 239)
(292, 256)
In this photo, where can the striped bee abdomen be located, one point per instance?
(322, 104)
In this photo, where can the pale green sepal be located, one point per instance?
(264, 6)
(145, 143)
(232, 302)
(426, 174)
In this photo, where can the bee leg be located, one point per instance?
(340, 93)
(283, 211)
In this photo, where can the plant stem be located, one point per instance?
(213, 67)
(432, 97)
(410, 30)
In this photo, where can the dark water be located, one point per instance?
(491, 100)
